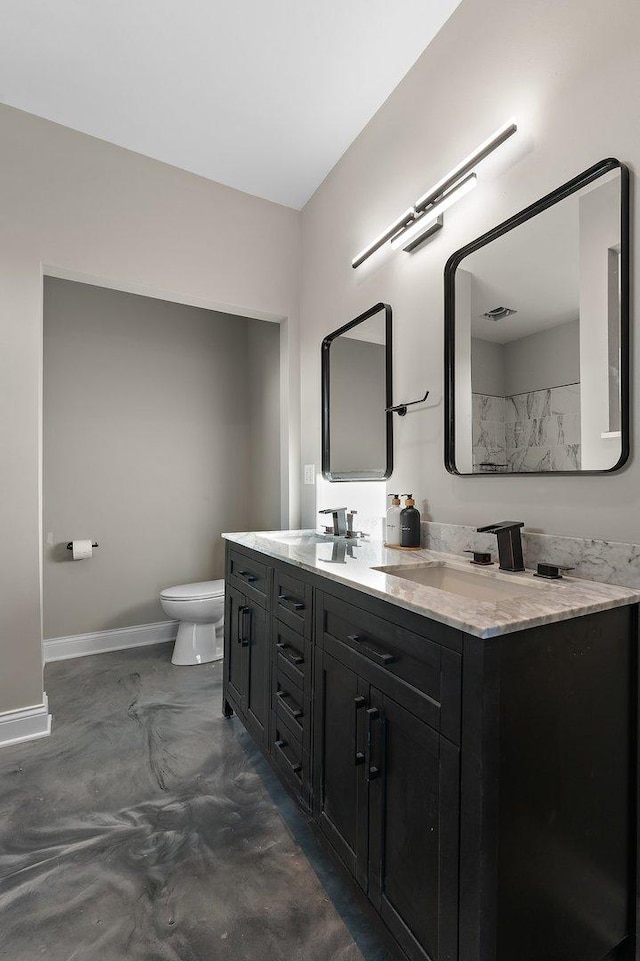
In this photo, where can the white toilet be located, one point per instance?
(200, 610)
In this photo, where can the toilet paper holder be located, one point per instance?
(70, 545)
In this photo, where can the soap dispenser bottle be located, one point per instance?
(409, 523)
(392, 534)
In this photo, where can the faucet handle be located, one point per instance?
(481, 558)
(350, 531)
(551, 571)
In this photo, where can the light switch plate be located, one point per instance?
(309, 473)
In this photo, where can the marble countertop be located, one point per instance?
(352, 563)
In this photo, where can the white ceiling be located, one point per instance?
(262, 95)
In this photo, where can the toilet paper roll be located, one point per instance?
(81, 550)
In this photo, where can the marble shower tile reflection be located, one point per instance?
(529, 459)
(565, 400)
(535, 404)
(565, 457)
(488, 407)
(488, 433)
(484, 434)
(565, 429)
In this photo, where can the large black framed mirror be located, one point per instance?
(357, 428)
(537, 336)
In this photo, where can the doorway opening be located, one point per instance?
(162, 428)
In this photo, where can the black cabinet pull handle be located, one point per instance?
(293, 711)
(240, 637)
(244, 615)
(249, 576)
(358, 702)
(372, 771)
(296, 605)
(296, 768)
(380, 657)
(292, 658)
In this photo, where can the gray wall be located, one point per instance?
(262, 380)
(564, 70)
(358, 421)
(487, 368)
(550, 358)
(152, 416)
(79, 207)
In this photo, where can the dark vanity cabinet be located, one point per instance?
(386, 789)
(481, 793)
(247, 644)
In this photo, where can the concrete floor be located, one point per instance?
(148, 828)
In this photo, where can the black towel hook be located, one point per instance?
(401, 409)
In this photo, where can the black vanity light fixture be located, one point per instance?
(424, 218)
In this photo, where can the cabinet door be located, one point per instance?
(255, 641)
(234, 646)
(340, 788)
(413, 829)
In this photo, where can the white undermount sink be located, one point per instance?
(298, 538)
(474, 584)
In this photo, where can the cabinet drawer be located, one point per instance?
(291, 759)
(408, 666)
(289, 703)
(249, 576)
(292, 654)
(292, 602)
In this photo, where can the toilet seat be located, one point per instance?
(203, 590)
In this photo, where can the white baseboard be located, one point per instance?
(100, 642)
(26, 724)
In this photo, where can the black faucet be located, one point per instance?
(509, 543)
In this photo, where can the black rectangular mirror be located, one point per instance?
(537, 336)
(357, 430)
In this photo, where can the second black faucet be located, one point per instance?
(509, 544)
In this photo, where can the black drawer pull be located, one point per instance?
(293, 711)
(293, 658)
(249, 576)
(296, 605)
(377, 656)
(296, 768)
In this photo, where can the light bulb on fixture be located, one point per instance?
(424, 218)
(421, 228)
(465, 166)
(406, 218)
